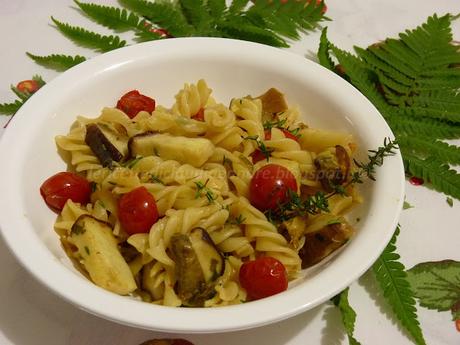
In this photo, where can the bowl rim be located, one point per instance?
(34, 255)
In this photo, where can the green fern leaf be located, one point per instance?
(348, 315)
(414, 83)
(427, 147)
(119, 19)
(57, 62)
(324, 56)
(392, 278)
(237, 6)
(437, 172)
(216, 7)
(89, 39)
(243, 31)
(165, 14)
(196, 14)
(423, 127)
(10, 108)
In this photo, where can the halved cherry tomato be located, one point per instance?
(270, 186)
(137, 211)
(28, 86)
(199, 116)
(63, 186)
(263, 277)
(257, 156)
(132, 102)
(287, 134)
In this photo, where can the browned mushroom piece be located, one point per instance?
(198, 265)
(333, 167)
(167, 342)
(319, 244)
(107, 144)
(273, 102)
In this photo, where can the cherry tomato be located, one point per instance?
(63, 186)
(28, 86)
(199, 116)
(163, 33)
(287, 134)
(133, 102)
(270, 185)
(263, 277)
(257, 156)
(137, 211)
(457, 325)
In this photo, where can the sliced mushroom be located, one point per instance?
(321, 243)
(273, 102)
(198, 265)
(193, 151)
(107, 145)
(333, 167)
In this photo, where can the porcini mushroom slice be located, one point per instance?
(273, 102)
(193, 151)
(333, 167)
(319, 244)
(107, 146)
(198, 265)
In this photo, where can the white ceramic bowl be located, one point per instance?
(231, 68)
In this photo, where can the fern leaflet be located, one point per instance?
(58, 62)
(89, 39)
(10, 108)
(118, 19)
(392, 278)
(428, 147)
(348, 315)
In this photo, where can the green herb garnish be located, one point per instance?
(202, 190)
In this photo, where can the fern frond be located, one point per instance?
(10, 108)
(237, 6)
(348, 315)
(392, 278)
(413, 81)
(420, 126)
(89, 39)
(216, 7)
(58, 62)
(243, 31)
(426, 147)
(165, 14)
(119, 19)
(324, 56)
(433, 170)
(196, 14)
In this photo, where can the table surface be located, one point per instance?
(30, 314)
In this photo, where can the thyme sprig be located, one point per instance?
(261, 146)
(317, 203)
(281, 124)
(203, 190)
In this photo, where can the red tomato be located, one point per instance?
(163, 33)
(263, 277)
(257, 156)
(457, 325)
(133, 102)
(287, 134)
(269, 187)
(137, 211)
(63, 186)
(28, 86)
(199, 116)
